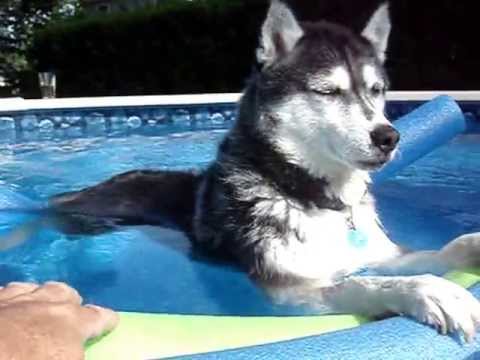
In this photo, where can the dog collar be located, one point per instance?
(357, 238)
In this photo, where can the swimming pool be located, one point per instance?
(46, 150)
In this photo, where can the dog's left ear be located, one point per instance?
(280, 33)
(378, 29)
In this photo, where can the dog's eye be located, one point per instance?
(378, 89)
(333, 91)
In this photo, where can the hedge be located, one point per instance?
(208, 45)
(179, 47)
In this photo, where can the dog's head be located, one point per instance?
(321, 90)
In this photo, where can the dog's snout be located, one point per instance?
(385, 137)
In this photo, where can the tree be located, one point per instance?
(18, 21)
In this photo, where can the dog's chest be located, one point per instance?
(319, 243)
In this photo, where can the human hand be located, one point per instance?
(40, 322)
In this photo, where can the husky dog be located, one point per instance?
(287, 196)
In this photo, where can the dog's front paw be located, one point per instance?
(444, 305)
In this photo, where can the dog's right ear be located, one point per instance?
(378, 30)
(280, 33)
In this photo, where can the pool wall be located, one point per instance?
(22, 119)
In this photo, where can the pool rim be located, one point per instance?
(18, 104)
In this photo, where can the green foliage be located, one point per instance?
(19, 19)
(176, 47)
(208, 45)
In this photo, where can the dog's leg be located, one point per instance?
(427, 298)
(165, 198)
(462, 252)
(162, 198)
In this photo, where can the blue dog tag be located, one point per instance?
(357, 238)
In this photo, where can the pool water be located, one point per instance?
(154, 270)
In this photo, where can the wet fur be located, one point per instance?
(288, 178)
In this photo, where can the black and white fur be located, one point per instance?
(291, 179)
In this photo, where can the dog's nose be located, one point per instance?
(385, 137)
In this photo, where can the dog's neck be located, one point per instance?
(349, 185)
(342, 183)
(337, 191)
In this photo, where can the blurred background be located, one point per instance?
(144, 47)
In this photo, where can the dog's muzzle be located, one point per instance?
(385, 138)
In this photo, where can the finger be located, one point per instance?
(96, 320)
(52, 292)
(57, 292)
(15, 289)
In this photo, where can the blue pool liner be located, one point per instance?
(16, 208)
(10, 199)
(423, 130)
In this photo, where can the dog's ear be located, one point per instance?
(280, 33)
(378, 29)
